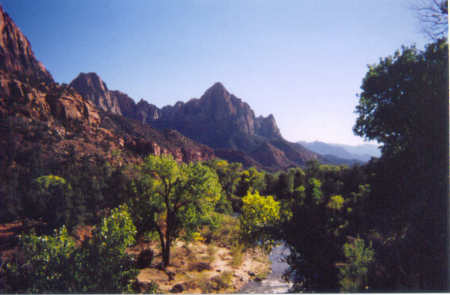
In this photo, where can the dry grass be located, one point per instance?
(237, 254)
(215, 265)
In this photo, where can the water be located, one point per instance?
(274, 283)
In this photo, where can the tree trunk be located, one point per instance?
(166, 254)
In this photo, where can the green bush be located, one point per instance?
(55, 264)
(353, 274)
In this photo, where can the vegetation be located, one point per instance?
(380, 226)
(172, 198)
(353, 273)
(260, 215)
(55, 264)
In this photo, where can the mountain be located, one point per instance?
(43, 120)
(361, 153)
(16, 56)
(217, 119)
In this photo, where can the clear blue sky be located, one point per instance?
(302, 61)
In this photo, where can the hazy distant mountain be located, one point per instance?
(361, 152)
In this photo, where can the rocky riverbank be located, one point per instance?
(198, 267)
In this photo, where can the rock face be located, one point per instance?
(218, 119)
(90, 86)
(37, 113)
(16, 57)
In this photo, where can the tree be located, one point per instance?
(102, 263)
(404, 105)
(51, 200)
(229, 174)
(260, 215)
(434, 17)
(252, 180)
(171, 198)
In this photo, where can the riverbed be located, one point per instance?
(274, 283)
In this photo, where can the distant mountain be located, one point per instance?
(362, 152)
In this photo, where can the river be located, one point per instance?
(274, 283)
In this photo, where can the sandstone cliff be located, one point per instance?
(38, 114)
(217, 119)
(16, 56)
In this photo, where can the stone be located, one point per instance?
(178, 288)
(171, 275)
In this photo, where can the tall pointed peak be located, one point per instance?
(216, 91)
(89, 80)
(218, 86)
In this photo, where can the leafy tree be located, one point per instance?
(260, 215)
(229, 175)
(320, 219)
(51, 200)
(404, 105)
(102, 264)
(285, 185)
(172, 198)
(252, 180)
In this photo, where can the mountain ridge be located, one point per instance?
(362, 152)
(44, 120)
(218, 119)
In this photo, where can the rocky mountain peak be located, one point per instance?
(17, 59)
(91, 80)
(216, 89)
(92, 87)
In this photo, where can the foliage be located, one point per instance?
(47, 264)
(104, 265)
(260, 214)
(322, 216)
(52, 201)
(336, 202)
(224, 235)
(172, 199)
(404, 106)
(56, 264)
(251, 180)
(353, 274)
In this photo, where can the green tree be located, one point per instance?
(101, 263)
(229, 175)
(51, 200)
(171, 198)
(260, 215)
(404, 105)
(252, 180)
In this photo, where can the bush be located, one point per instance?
(353, 273)
(55, 264)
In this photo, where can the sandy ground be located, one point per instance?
(185, 257)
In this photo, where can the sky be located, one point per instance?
(302, 61)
